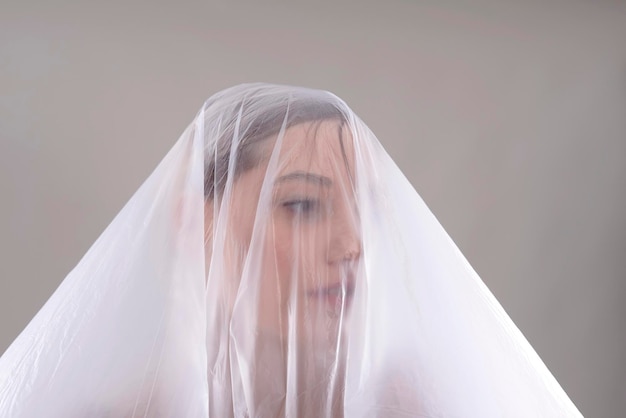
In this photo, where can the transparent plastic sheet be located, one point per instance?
(276, 263)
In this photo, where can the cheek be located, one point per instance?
(296, 256)
(278, 259)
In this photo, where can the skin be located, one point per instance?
(297, 295)
(312, 243)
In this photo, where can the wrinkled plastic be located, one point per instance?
(276, 263)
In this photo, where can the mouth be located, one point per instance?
(334, 296)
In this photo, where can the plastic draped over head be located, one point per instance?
(276, 263)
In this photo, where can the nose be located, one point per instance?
(345, 236)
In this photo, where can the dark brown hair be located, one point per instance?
(244, 126)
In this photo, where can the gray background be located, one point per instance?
(508, 117)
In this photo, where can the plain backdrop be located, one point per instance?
(509, 118)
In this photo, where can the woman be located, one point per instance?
(276, 263)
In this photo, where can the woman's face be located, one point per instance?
(305, 230)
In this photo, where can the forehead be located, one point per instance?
(325, 145)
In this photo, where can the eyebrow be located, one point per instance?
(303, 175)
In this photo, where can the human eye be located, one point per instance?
(306, 208)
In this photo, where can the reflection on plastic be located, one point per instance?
(276, 263)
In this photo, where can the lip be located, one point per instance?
(334, 295)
